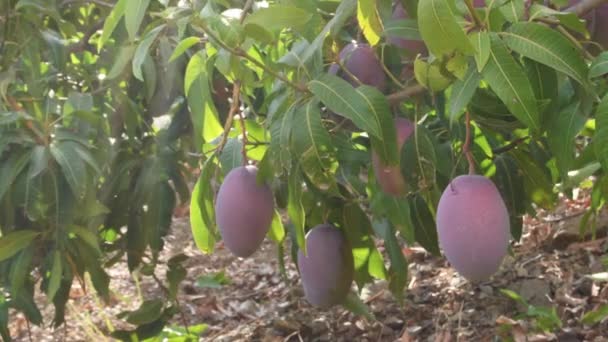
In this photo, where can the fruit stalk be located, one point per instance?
(466, 148)
(471, 8)
(244, 131)
(236, 93)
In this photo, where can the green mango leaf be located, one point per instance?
(510, 184)
(481, 42)
(369, 21)
(543, 80)
(142, 51)
(430, 75)
(563, 128)
(600, 137)
(537, 184)
(124, 56)
(111, 22)
(295, 208)
(440, 29)
(312, 144)
(176, 273)
(4, 332)
(56, 275)
(213, 281)
(72, 167)
(547, 46)
(12, 243)
(184, 45)
(397, 274)
(85, 235)
(513, 10)
(232, 155)
(278, 17)
(358, 230)
(202, 109)
(20, 269)
(10, 169)
(595, 316)
(424, 225)
(135, 11)
(202, 212)
(508, 80)
(99, 277)
(148, 311)
(403, 28)
(277, 231)
(158, 212)
(599, 66)
(462, 93)
(355, 305)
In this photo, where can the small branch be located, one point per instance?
(246, 9)
(585, 6)
(473, 12)
(406, 93)
(510, 145)
(179, 308)
(467, 143)
(244, 130)
(234, 106)
(575, 41)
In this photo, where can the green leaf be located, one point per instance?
(481, 42)
(202, 220)
(295, 209)
(277, 231)
(562, 130)
(56, 275)
(4, 332)
(358, 230)
(124, 56)
(21, 268)
(184, 45)
(85, 235)
(99, 277)
(231, 156)
(397, 211)
(462, 93)
(430, 75)
(148, 311)
(312, 144)
(599, 66)
(404, 28)
(72, 167)
(176, 273)
(513, 10)
(514, 296)
(111, 22)
(440, 29)
(278, 17)
(369, 21)
(202, 109)
(510, 183)
(537, 184)
(596, 316)
(547, 46)
(12, 243)
(10, 169)
(213, 281)
(135, 11)
(397, 275)
(339, 96)
(508, 80)
(424, 225)
(543, 79)
(142, 51)
(354, 304)
(600, 137)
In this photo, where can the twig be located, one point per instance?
(408, 92)
(236, 93)
(246, 9)
(177, 304)
(467, 143)
(471, 8)
(575, 41)
(244, 130)
(510, 145)
(584, 6)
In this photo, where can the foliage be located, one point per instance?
(107, 106)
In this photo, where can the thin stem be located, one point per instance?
(177, 303)
(246, 9)
(575, 41)
(405, 93)
(510, 145)
(473, 12)
(244, 130)
(234, 106)
(467, 144)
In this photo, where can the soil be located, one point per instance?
(549, 268)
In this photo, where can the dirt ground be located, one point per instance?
(549, 268)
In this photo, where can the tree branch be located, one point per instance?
(585, 6)
(406, 93)
(509, 146)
